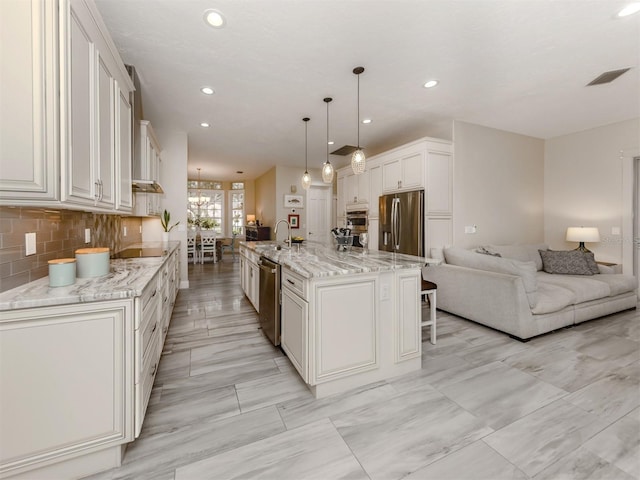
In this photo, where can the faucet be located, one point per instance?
(275, 231)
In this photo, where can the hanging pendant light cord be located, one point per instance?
(358, 75)
(327, 130)
(305, 147)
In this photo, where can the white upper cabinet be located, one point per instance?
(375, 190)
(77, 83)
(124, 195)
(439, 189)
(90, 156)
(28, 109)
(403, 170)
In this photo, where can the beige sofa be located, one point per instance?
(512, 293)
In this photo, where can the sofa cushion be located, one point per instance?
(584, 288)
(524, 253)
(570, 262)
(618, 283)
(470, 259)
(552, 298)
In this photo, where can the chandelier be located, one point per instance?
(199, 200)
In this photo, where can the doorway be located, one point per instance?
(319, 213)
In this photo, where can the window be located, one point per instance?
(205, 209)
(237, 211)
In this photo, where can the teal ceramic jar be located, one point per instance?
(92, 262)
(62, 272)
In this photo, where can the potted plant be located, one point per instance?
(165, 221)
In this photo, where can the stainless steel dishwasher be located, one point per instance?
(270, 299)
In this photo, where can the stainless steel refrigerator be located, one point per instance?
(401, 228)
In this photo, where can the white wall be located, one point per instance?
(173, 178)
(586, 183)
(498, 186)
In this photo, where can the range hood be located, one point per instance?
(146, 186)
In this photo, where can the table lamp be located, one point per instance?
(582, 235)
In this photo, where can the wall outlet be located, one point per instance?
(615, 230)
(87, 235)
(124, 231)
(470, 229)
(29, 243)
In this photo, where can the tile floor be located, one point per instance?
(226, 404)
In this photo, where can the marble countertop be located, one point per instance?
(320, 260)
(126, 279)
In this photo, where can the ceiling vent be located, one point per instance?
(607, 77)
(346, 150)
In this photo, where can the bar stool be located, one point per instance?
(429, 289)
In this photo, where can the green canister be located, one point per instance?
(62, 272)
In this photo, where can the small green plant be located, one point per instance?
(208, 223)
(165, 220)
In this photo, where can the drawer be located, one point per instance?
(146, 303)
(147, 332)
(144, 385)
(294, 282)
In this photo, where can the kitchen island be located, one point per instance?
(348, 319)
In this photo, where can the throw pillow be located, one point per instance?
(591, 262)
(565, 262)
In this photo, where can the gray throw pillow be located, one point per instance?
(570, 262)
(591, 262)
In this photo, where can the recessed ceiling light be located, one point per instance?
(430, 84)
(205, 125)
(629, 9)
(330, 142)
(366, 121)
(214, 18)
(207, 90)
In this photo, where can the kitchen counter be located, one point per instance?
(315, 260)
(126, 279)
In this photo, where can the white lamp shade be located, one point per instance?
(327, 173)
(583, 234)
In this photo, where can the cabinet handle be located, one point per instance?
(96, 195)
(154, 327)
(154, 293)
(153, 370)
(291, 282)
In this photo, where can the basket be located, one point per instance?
(344, 244)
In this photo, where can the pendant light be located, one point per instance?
(358, 158)
(306, 178)
(327, 168)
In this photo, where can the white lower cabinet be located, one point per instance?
(342, 312)
(75, 380)
(250, 276)
(344, 331)
(66, 377)
(294, 333)
(147, 338)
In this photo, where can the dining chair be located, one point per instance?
(191, 247)
(208, 246)
(231, 247)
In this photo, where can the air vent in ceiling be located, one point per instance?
(346, 150)
(607, 77)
